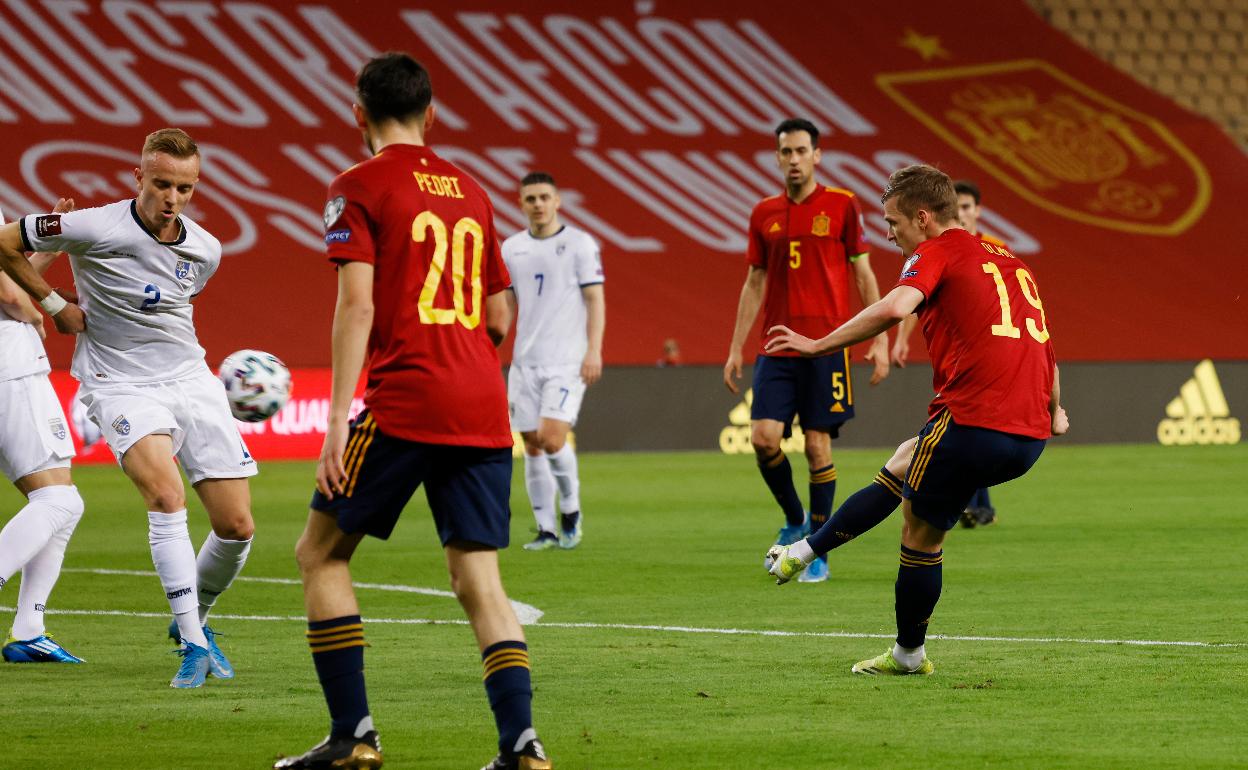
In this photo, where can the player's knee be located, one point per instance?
(308, 556)
(240, 527)
(166, 498)
(900, 461)
(765, 444)
(64, 499)
(552, 443)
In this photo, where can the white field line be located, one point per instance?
(527, 613)
(619, 626)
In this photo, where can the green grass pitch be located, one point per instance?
(1097, 543)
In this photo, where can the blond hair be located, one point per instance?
(171, 141)
(923, 187)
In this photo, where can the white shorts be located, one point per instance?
(193, 411)
(534, 392)
(34, 435)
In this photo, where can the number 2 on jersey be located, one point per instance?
(426, 222)
(1038, 331)
(153, 296)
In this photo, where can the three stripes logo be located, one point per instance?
(1200, 415)
(734, 438)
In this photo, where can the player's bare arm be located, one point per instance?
(595, 325)
(747, 310)
(901, 347)
(1061, 423)
(869, 292)
(68, 318)
(513, 307)
(353, 319)
(499, 310)
(870, 322)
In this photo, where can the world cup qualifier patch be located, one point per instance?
(47, 225)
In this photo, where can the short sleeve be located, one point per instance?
(854, 234)
(923, 271)
(756, 245)
(348, 226)
(497, 278)
(73, 232)
(589, 263)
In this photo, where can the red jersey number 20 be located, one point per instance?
(428, 222)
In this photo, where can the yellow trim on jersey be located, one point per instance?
(995, 241)
(840, 190)
(926, 447)
(857, 257)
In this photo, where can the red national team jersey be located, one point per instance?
(428, 230)
(986, 333)
(806, 248)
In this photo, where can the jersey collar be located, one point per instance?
(134, 212)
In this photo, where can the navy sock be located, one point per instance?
(917, 591)
(822, 493)
(508, 687)
(981, 500)
(779, 477)
(859, 513)
(338, 653)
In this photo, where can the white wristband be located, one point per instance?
(53, 303)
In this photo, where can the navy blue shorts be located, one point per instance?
(817, 390)
(468, 488)
(951, 461)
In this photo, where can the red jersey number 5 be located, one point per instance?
(1038, 331)
(428, 222)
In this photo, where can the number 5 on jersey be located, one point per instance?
(428, 222)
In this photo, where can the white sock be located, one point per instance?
(909, 658)
(540, 484)
(218, 563)
(39, 574)
(563, 466)
(47, 509)
(174, 558)
(802, 550)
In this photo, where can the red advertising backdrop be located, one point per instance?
(656, 120)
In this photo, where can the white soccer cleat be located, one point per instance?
(783, 566)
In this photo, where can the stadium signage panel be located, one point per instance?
(656, 120)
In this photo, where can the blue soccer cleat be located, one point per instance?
(569, 530)
(788, 535)
(219, 665)
(41, 649)
(816, 572)
(194, 669)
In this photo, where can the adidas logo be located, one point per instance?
(1200, 414)
(734, 439)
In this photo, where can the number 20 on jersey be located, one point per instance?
(428, 223)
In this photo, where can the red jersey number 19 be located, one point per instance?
(1038, 331)
(425, 222)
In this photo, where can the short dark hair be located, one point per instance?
(799, 124)
(923, 187)
(537, 177)
(393, 86)
(967, 187)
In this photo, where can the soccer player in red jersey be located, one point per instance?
(997, 396)
(804, 248)
(979, 511)
(420, 299)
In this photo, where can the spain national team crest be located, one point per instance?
(820, 225)
(1060, 144)
(182, 270)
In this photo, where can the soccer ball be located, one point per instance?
(257, 384)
